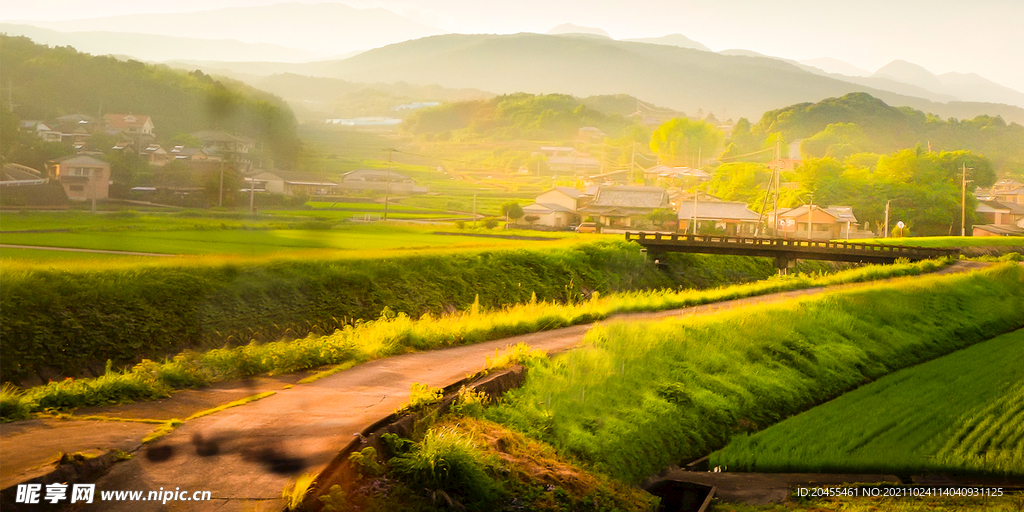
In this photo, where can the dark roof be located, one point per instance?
(80, 158)
(732, 210)
(374, 175)
(208, 136)
(17, 172)
(1001, 229)
(295, 177)
(631, 197)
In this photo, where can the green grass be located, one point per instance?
(643, 395)
(960, 413)
(947, 241)
(390, 335)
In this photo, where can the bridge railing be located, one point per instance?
(782, 243)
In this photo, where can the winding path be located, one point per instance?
(246, 455)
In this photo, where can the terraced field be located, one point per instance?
(962, 413)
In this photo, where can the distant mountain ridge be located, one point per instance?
(683, 79)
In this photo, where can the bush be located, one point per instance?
(447, 461)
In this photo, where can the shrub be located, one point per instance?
(447, 461)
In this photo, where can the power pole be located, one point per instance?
(963, 200)
(810, 214)
(887, 218)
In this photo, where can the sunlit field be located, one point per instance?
(947, 241)
(961, 413)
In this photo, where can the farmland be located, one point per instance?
(961, 413)
(641, 396)
(638, 396)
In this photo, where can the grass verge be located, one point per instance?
(392, 334)
(643, 395)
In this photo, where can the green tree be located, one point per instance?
(680, 140)
(512, 211)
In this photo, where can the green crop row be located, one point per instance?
(640, 396)
(391, 334)
(963, 413)
(65, 322)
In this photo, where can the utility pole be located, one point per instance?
(887, 218)
(252, 195)
(474, 210)
(775, 176)
(810, 214)
(695, 209)
(963, 200)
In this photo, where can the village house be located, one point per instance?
(228, 147)
(718, 217)
(292, 183)
(382, 180)
(829, 223)
(83, 176)
(555, 208)
(129, 125)
(665, 172)
(620, 207)
(42, 130)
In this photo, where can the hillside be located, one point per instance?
(730, 86)
(884, 128)
(45, 83)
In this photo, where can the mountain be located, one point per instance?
(150, 47)
(569, 28)
(730, 86)
(909, 73)
(323, 28)
(830, 65)
(672, 40)
(963, 86)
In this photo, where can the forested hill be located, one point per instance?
(45, 83)
(858, 123)
(521, 116)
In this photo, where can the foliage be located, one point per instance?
(365, 461)
(177, 101)
(642, 395)
(881, 128)
(681, 140)
(296, 490)
(446, 461)
(398, 333)
(513, 116)
(512, 211)
(420, 396)
(955, 414)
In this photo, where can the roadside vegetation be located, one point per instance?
(1008, 502)
(643, 395)
(960, 413)
(392, 333)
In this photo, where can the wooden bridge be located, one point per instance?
(785, 251)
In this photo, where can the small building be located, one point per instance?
(555, 208)
(997, 230)
(83, 176)
(382, 180)
(722, 217)
(829, 223)
(665, 172)
(619, 207)
(292, 183)
(129, 124)
(574, 164)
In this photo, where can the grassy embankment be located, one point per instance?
(640, 396)
(391, 334)
(961, 413)
(948, 241)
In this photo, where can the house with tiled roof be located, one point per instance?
(291, 183)
(828, 223)
(716, 216)
(554, 208)
(83, 176)
(131, 125)
(381, 180)
(619, 207)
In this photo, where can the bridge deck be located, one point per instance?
(785, 249)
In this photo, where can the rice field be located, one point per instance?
(948, 241)
(640, 396)
(962, 413)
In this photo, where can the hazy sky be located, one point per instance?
(980, 36)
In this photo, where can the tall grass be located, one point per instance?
(643, 395)
(399, 333)
(963, 412)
